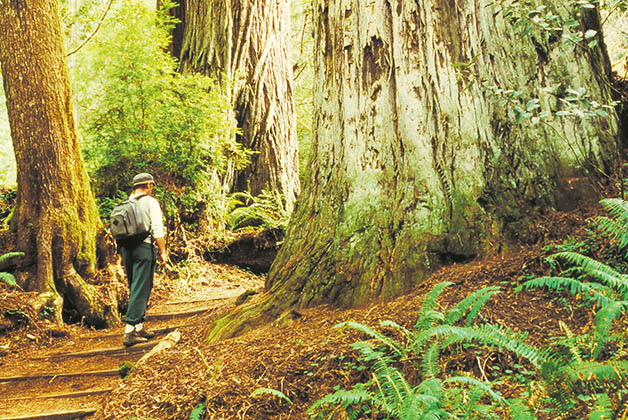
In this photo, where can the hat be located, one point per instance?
(142, 178)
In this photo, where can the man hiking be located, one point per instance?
(139, 258)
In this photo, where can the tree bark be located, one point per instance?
(56, 218)
(416, 160)
(179, 12)
(245, 45)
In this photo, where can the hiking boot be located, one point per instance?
(133, 338)
(145, 333)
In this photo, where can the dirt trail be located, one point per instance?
(71, 377)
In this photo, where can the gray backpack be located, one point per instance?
(127, 223)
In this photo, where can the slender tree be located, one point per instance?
(244, 44)
(57, 223)
(441, 129)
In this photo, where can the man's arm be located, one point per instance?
(158, 231)
(161, 245)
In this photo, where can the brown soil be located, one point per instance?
(304, 360)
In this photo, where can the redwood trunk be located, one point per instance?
(56, 217)
(420, 154)
(245, 45)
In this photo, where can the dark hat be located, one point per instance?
(142, 178)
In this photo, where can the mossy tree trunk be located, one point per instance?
(420, 153)
(57, 222)
(245, 45)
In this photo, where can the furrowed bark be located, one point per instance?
(415, 160)
(244, 44)
(56, 217)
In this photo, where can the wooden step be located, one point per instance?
(63, 415)
(63, 395)
(113, 351)
(157, 331)
(173, 315)
(112, 372)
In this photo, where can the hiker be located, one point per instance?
(139, 259)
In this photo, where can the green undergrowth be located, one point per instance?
(581, 373)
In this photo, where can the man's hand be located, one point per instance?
(163, 254)
(163, 258)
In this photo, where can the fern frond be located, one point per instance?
(8, 255)
(365, 329)
(428, 319)
(395, 326)
(493, 336)
(520, 410)
(603, 372)
(345, 398)
(429, 302)
(614, 229)
(198, 411)
(430, 359)
(8, 279)
(471, 304)
(598, 270)
(474, 383)
(618, 210)
(273, 392)
(603, 408)
(590, 291)
(573, 349)
(430, 386)
(604, 321)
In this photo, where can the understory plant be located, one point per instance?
(580, 374)
(264, 211)
(586, 372)
(8, 278)
(392, 359)
(136, 114)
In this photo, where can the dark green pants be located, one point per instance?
(139, 264)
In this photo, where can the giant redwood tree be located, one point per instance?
(441, 128)
(244, 44)
(57, 223)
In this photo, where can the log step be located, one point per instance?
(64, 415)
(112, 372)
(158, 331)
(63, 395)
(115, 351)
(173, 315)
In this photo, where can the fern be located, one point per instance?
(7, 277)
(389, 392)
(615, 228)
(198, 412)
(273, 392)
(614, 372)
(8, 255)
(344, 398)
(603, 408)
(590, 291)
(365, 329)
(266, 210)
(604, 320)
(598, 270)
(520, 410)
(492, 335)
(427, 312)
(471, 304)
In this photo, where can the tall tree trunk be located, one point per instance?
(427, 145)
(58, 226)
(244, 44)
(179, 12)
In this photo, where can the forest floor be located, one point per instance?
(304, 360)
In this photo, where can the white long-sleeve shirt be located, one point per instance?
(152, 212)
